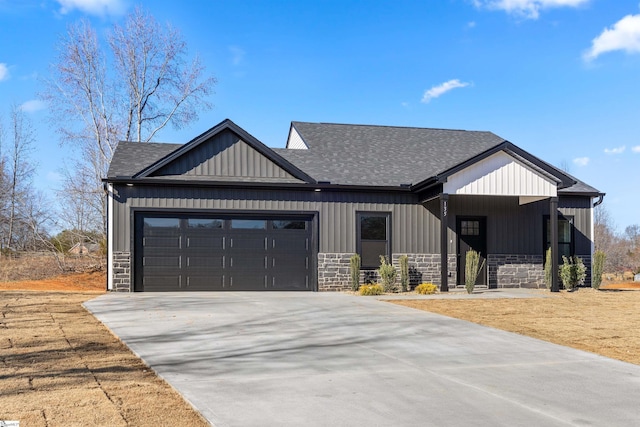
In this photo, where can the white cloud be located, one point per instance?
(32, 106)
(527, 8)
(581, 161)
(237, 54)
(616, 150)
(636, 149)
(4, 71)
(624, 35)
(441, 89)
(93, 7)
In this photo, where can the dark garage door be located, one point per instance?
(202, 253)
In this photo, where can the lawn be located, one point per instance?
(61, 367)
(605, 322)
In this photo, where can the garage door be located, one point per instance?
(237, 253)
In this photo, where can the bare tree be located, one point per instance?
(129, 88)
(20, 171)
(161, 86)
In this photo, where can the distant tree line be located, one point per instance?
(622, 249)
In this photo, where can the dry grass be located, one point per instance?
(603, 322)
(59, 366)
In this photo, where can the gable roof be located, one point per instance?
(351, 155)
(383, 155)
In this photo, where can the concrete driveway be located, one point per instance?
(322, 359)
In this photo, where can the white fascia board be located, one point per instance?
(501, 175)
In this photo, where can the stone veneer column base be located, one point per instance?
(121, 272)
(516, 271)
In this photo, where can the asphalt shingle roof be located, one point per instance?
(383, 155)
(346, 154)
(131, 157)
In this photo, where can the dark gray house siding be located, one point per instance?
(225, 172)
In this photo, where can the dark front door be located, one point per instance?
(472, 234)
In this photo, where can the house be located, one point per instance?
(226, 212)
(84, 248)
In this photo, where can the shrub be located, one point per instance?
(472, 269)
(547, 269)
(598, 266)
(387, 274)
(404, 272)
(374, 289)
(572, 272)
(354, 271)
(426, 288)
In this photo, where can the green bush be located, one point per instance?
(426, 289)
(387, 274)
(598, 268)
(472, 269)
(547, 269)
(404, 273)
(572, 272)
(374, 289)
(354, 271)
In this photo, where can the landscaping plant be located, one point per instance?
(426, 289)
(472, 269)
(404, 272)
(387, 274)
(598, 266)
(374, 289)
(547, 269)
(572, 272)
(354, 271)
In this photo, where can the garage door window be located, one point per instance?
(205, 223)
(289, 225)
(162, 222)
(249, 224)
(373, 237)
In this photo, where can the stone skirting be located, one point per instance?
(516, 271)
(334, 275)
(121, 272)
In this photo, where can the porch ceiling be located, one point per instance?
(502, 175)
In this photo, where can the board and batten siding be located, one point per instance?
(225, 155)
(517, 229)
(411, 222)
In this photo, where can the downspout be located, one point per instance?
(599, 201)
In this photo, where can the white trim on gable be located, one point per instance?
(501, 175)
(295, 142)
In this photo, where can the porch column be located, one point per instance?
(553, 223)
(444, 240)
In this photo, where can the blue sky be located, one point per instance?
(559, 78)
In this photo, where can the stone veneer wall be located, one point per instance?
(121, 272)
(333, 270)
(516, 271)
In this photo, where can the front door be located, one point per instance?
(472, 234)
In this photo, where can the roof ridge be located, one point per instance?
(390, 126)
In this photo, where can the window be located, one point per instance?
(204, 223)
(372, 237)
(565, 236)
(289, 225)
(249, 224)
(470, 228)
(162, 222)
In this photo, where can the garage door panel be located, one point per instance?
(171, 242)
(208, 263)
(162, 281)
(162, 261)
(251, 243)
(205, 283)
(206, 242)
